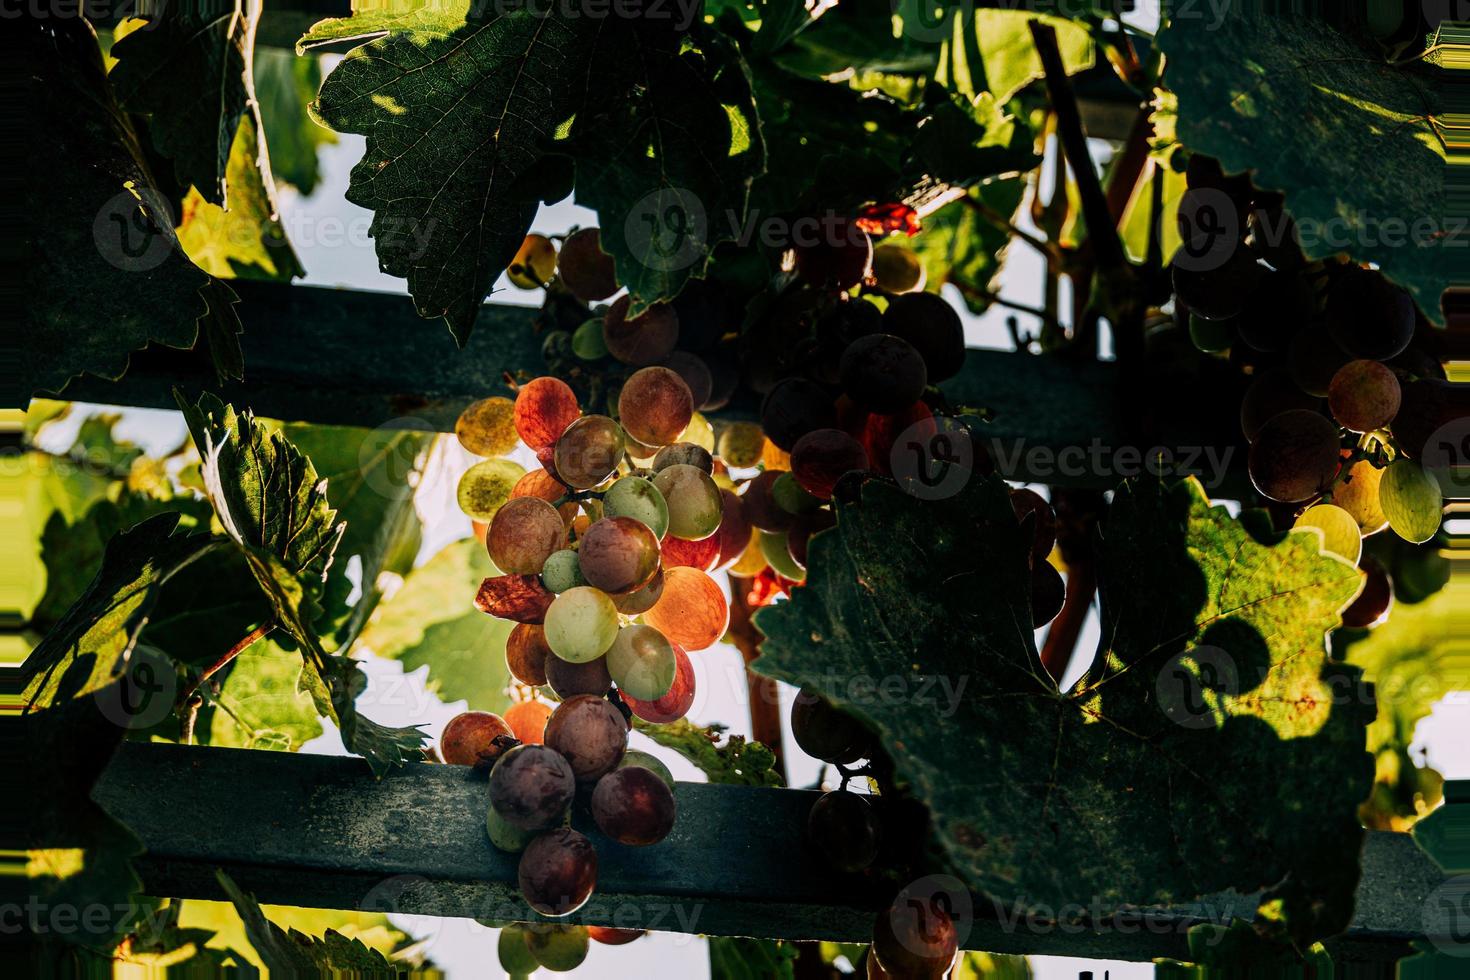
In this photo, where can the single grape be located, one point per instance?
(636, 603)
(567, 679)
(789, 495)
(700, 433)
(1369, 316)
(693, 498)
(562, 571)
(527, 719)
(647, 338)
(581, 624)
(619, 555)
(692, 612)
(590, 733)
(673, 705)
(609, 936)
(515, 955)
(641, 661)
(740, 444)
(751, 561)
(523, 535)
(793, 408)
(759, 503)
(558, 871)
(506, 836)
(1313, 357)
(927, 321)
(638, 452)
(836, 256)
(1220, 280)
(684, 452)
(1294, 457)
(777, 551)
(1412, 500)
(1341, 535)
(845, 829)
(1357, 493)
(827, 733)
(526, 654)
(559, 949)
(533, 266)
(587, 342)
(636, 757)
(1030, 504)
(821, 458)
(655, 406)
(1048, 593)
(633, 806)
(1270, 394)
(883, 373)
(701, 554)
(487, 427)
(485, 487)
(695, 372)
(1211, 336)
(897, 269)
(543, 410)
(639, 499)
(1364, 396)
(588, 451)
(1373, 602)
(532, 786)
(543, 486)
(585, 268)
(915, 937)
(475, 738)
(734, 533)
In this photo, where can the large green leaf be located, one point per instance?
(432, 622)
(1158, 777)
(94, 221)
(458, 117)
(1311, 109)
(187, 68)
(858, 38)
(269, 499)
(991, 51)
(667, 144)
(260, 704)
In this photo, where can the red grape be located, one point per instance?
(673, 705)
(820, 458)
(1295, 456)
(827, 733)
(647, 338)
(528, 720)
(523, 534)
(521, 598)
(845, 829)
(609, 936)
(793, 408)
(927, 321)
(526, 654)
(798, 538)
(838, 255)
(568, 680)
(636, 603)
(558, 871)
(633, 806)
(588, 451)
(1364, 396)
(760, 506)
(585, 268)
(655, 406)
(915, 937)
(590, 733)
(701, 554)
(692, 612)
(544, 409)
(618, 555)
(475, 738)
(883, 373)
(734, 533)
(532, 786)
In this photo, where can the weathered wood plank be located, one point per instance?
(318, 831)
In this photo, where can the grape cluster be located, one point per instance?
(1344, 387)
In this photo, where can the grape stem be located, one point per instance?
(578, 496)
(229, 655)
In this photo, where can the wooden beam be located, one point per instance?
(319, 831)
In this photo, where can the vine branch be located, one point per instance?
(243, 644)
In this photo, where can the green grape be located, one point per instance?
(587, 342)
(515, 954)
(637, 757)
(635, 497)
(562, 571)
(558, 948)
(791, 497)
(581, 624)
(641, 662)
(741, 444)
(1412, 500)
(487, 427)
(777, 551)
(1211, 336)
(588, 451)
(695, 505)
(505, 835)
(486, 486)
(897, 269)
(1341, 535)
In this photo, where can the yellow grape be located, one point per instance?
(486, 486)
(487, 427)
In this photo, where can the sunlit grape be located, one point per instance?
(647, 338)
(740, 444)
(641, 662)
(527, 719)
(487, 427)
(684, 452)
(558, 871)
(526, 653)
(1341, 535)
(475, 738)
(1357, 493)
(523, 534)
(1412, 500)
(897, 269)
(673, 705)
(734, 532)
(588, 451)
(562, 571)
(486, 486)
(692, 611)
(701, 554)
(585, 268)
(778, 556)
(635, 497)
(693, 499)
(543, 410)
(590, 733)
(655, 406)
(560, 949)
(581, 624)
(633, 806)
(515, 955)
(700, 432)
(534, 263)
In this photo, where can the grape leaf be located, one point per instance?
(95, 221)
(959, 246)
(667, 123)
(724, 759)
(187, 68)
(90, 646)
(271, 503)
(431, 621)
(991, 51)
(1132, 786)
(734, 958)
(858, 38)
(260, 704)
(458, 117)
(1269, 94)
(247, 241)
(284, 84)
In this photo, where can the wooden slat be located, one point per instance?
(318, 831)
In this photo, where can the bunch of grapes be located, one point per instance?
(1344, 386)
